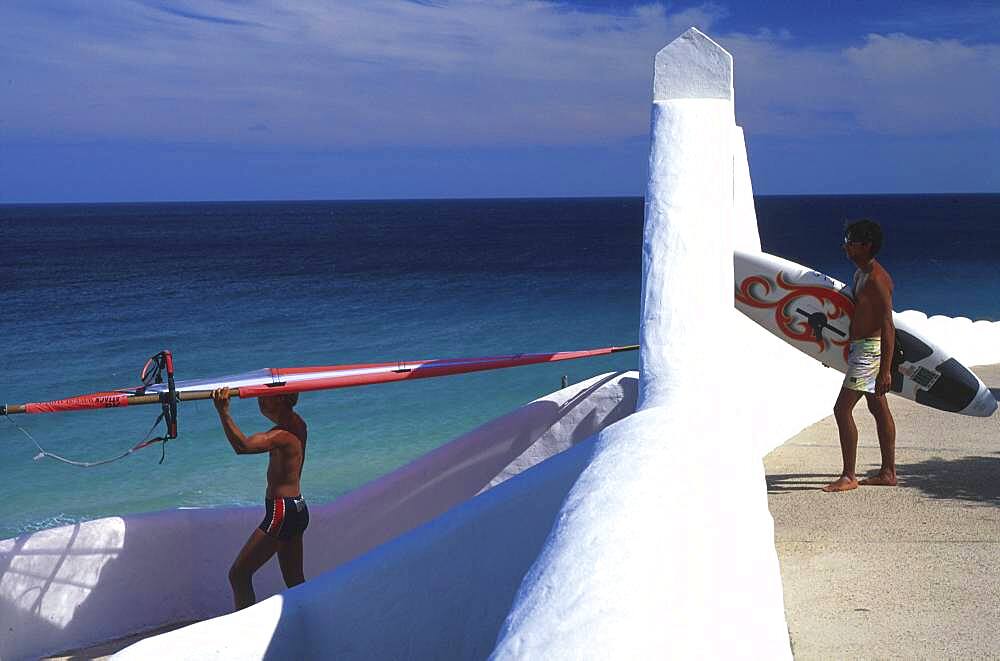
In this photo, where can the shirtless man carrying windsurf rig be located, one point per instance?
(285, 513)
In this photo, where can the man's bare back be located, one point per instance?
(285, 443)
(284, 467)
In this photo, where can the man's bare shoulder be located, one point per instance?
(881, 276)
(280, 436)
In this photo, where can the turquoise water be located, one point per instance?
(228, 288)
(90, 291)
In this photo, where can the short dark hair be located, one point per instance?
(289, 398)
(864, 231)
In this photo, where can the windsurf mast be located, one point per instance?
(281, 381)
(265, 383)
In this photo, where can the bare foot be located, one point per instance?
(880, 480)
(843, 484)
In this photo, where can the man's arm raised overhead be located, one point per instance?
(243, 444)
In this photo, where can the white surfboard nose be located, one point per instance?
(984, 405)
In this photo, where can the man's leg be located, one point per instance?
(879, 407)
(258, 550)
(842, 412)
(290, 559)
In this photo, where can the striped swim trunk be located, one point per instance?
(285, 518)
(863, 361)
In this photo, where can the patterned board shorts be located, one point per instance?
(863, 363)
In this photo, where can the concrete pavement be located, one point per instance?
(911, 571)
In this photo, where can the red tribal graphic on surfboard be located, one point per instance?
(803, 312)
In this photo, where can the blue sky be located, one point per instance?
(146, 100)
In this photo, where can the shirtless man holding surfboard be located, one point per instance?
(869, 371)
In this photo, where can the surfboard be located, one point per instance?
(812, 312)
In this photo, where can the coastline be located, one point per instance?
(905, 572)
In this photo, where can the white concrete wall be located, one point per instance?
(664, 547)
(76, 585)
(969, 342)
(438, 592)
(780, 390)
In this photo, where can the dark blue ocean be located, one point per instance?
(90, 291)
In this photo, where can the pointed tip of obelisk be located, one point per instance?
(692, 66)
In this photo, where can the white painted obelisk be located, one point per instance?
(664, 547)
(687, 243)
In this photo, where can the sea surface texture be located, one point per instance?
(91, 291)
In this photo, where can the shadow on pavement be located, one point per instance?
(973, 479)
(786, 482)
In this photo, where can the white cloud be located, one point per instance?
(894, 84)
(921, 84)
(380, 72)
(361, 73)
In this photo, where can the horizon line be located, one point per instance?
(466, 199)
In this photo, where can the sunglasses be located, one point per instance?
(849, 240)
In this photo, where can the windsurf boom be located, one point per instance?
(159, 387)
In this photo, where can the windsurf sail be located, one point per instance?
(158, 385)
